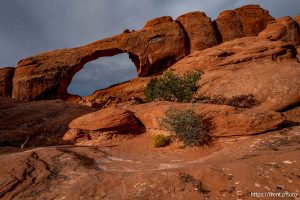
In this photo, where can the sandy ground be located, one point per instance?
(231, 168)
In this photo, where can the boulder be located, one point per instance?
(269, 70)
(286, 29)
(6, 77)
(110, 121)
(226, 120)
(248, 20)
(47, 75)
(200, 30)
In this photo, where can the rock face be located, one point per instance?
(200, 30)
(269, 70)
(245, 21)
(161, 43)
(43, 122)
(227, 120)
(286, 29)
(132, 90)
(105, 123)
(6, 84)
(46, 76)
(229, 26)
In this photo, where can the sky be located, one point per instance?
(28, 27)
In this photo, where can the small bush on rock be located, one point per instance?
(190, 128)
(240, 101)
(173, 87)
(160, 141)
(243, 101)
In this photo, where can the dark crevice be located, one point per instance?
(225, 54)
(286, 50)
(10, 78)
(290, 107)
(289, 124)
(135, 59)
(159, 66)
(187, 39)
(217, 31)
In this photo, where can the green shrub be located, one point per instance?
(173, 87)
(160, 141)
(190, 128)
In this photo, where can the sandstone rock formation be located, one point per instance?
(229, 26)
(6, 84)
(200, 30)
(46, 76)
(161, 43)
(104, 124)
(286, 29)
(132, 90)
(248, 20)
(269, 70)
(255, 148)
(39, 123)
(226, 121)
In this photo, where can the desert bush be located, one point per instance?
(160, 140)
(190, 128)
(240, 101)
(243, 101)
(173, 87)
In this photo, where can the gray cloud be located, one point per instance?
(31, 26)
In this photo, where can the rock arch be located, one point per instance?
(46, 76)
(61, 92)
(50, 80)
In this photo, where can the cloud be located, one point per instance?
(32, 26)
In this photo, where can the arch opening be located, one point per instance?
(102, 73)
